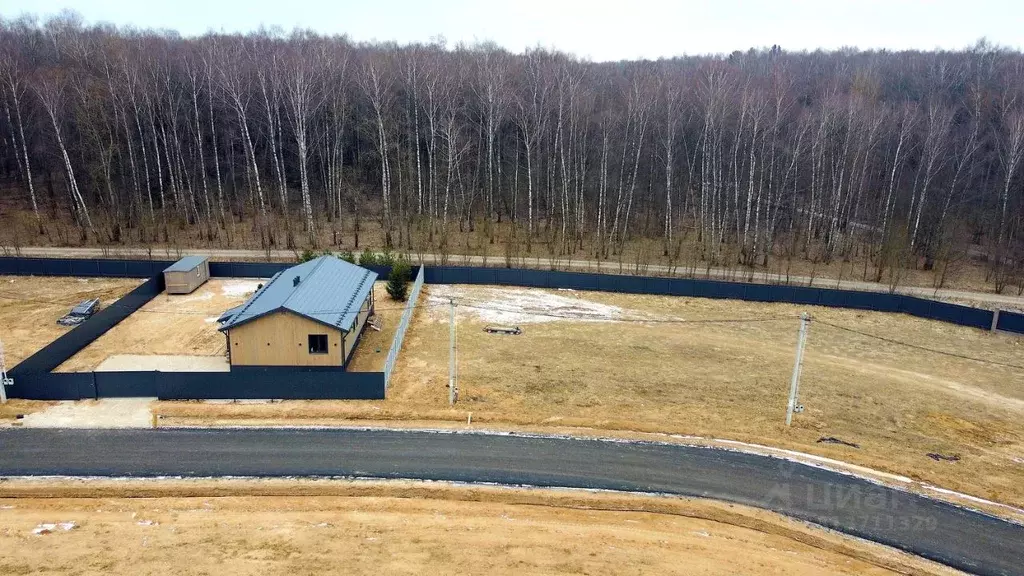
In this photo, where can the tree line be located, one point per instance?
(899, 159)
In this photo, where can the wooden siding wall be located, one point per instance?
(282, 339)
(364, 313)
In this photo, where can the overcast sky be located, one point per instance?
(597, 29)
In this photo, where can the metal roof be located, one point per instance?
(328, 290)
(229, 313)
(185, 264)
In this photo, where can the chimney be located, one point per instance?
(295, 281)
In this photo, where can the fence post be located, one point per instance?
(4, 380)
(995, 319)
(451, 353)
(794, 384)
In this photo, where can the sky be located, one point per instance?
(599, 30)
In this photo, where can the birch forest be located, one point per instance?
(890, 161)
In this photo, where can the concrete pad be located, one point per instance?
(103, 413)
(163, 363)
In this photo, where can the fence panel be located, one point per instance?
(504, 277)
(134, 384)
(271, 384)
(403, 324)
(917, 306)
(53, 386)
(1010, 322)
(533, 278)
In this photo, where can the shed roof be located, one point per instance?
(327, 290)
(185, 264)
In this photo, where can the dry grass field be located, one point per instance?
(179, 325)
(624, 363)
(408, 528)
(31, 305)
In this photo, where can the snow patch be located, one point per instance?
(50, 528)
(521, 306)
(239, 288)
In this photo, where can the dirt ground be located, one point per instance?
(31, 305)
(287, 527)
(618, 365)
(180, 325)
(372, 350)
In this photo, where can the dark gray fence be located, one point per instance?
(103, 268)
(67, 345)
(96, 267)
(1011, 322)
(920, 307)
(267, 269)
(286, 384)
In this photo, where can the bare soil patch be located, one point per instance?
(31, 305)
(316, 527)
(169, 325)
(716, 379)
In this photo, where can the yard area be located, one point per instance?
(233, 528)
(718, 368)
(372, 351)
(31, 305)
(171, 332)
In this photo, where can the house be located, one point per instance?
(187, 274)
(311, 314)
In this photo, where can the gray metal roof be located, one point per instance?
(185, 264)
(229, 313)
(329, 291)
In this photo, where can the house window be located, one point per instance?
(318, 343)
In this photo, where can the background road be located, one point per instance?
(608, 267)
(939, 531)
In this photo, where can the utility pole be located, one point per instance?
(4, 380)
(451, 354)
(794, 385)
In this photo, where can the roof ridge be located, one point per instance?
(319, 261)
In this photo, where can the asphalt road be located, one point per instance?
(607, 267)
(960, 538)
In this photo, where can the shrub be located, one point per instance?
(347, 256)
(398, 281)
(368, 258)
(386, 258)
(308, 255)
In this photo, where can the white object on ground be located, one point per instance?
(240, 287)
(49, 528)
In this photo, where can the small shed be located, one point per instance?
(187, 274)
